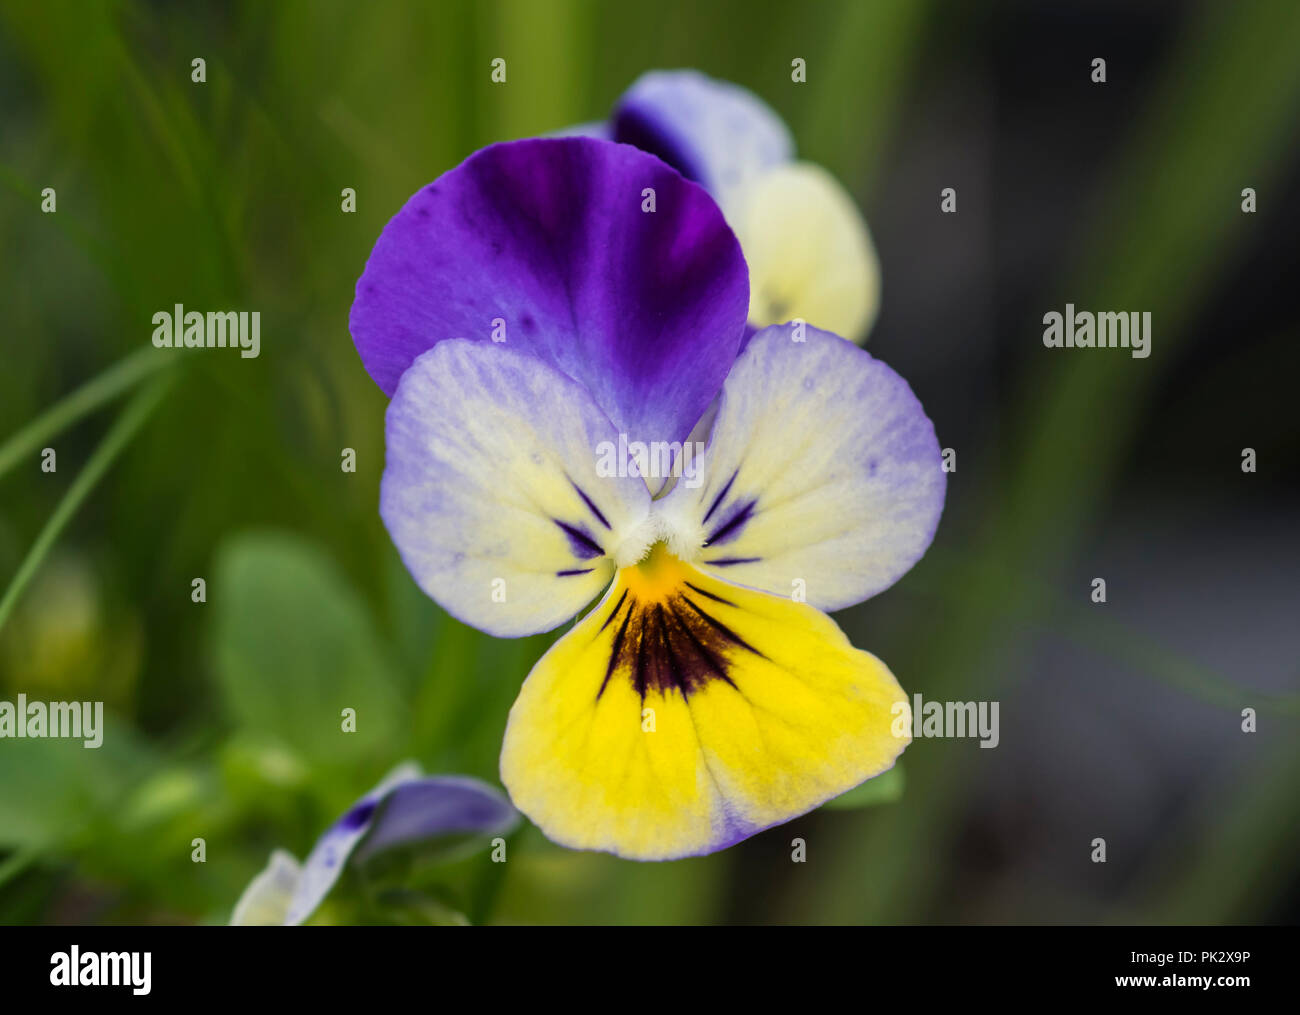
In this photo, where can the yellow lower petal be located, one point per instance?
(684, 714)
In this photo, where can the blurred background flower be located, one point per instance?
(439, 815)
(809, 251)
(1121, 721)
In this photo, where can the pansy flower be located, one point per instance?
(809, 250)
(527, 314)
(404, 809)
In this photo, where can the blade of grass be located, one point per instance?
(133, 417)
(96, 392)
(871, 56)
(114, 266)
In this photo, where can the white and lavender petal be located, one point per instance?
(493, 490)
(822, 475)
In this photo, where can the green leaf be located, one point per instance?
(294, 647)
(883, 789)
(53, 791)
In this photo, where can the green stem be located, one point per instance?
(133, 417)
(86, 399)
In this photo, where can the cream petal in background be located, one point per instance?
(809, 251)
(265, 901)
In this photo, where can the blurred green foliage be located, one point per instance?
(227, 194)
(293, 647)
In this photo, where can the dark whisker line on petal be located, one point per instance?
(670, 644)
(709, 595)
(683, 676)
(719, 498)
(569, 574)
(588, 501)
(735, 522)
(639, 680)
(712, 661)
(723, 629)
(675, 672)
(617, 606)
(615, 651)
(583, 545)
(728, 561)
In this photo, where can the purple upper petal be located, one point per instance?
(548, 237)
